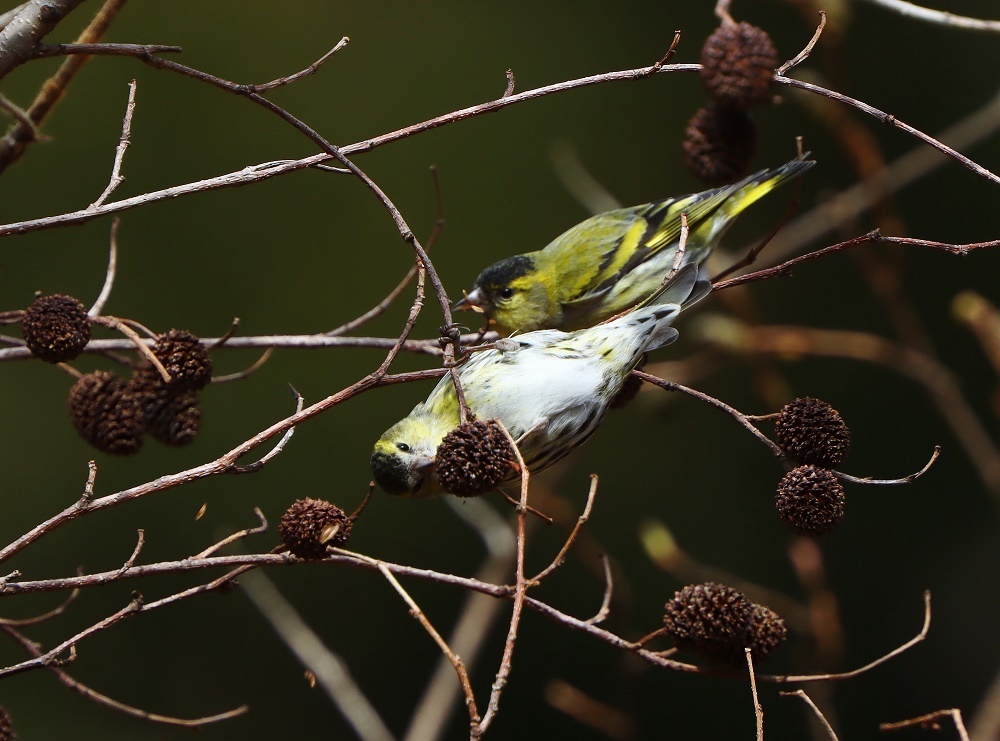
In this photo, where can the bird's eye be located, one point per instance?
(403, 447)
(505, 293)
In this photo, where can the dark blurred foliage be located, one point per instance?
(305, 252)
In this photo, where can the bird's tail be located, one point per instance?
(758, 185)
(657, 313)
(713, 212)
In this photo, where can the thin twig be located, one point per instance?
(267, 170)
(21, 116)
(930, 721)
(818, 713)
(560, 558)
(609, 583)
(926, 370)
(510, 84)
(871, 665)
(123, 143)
(122, 326)
(109, 276)
(887, 118)
(221, 465)
(892, 482)
(260, 528)
(341, 557)
(474, 624)
(455, 659)
(520, 589)
(116, 50)
(54, 612)
(102, 699)
(311, 69)
(758, 709)
(88, 489)
(276, 450)
(872, 237)
(804, 54)
(246, 372)
(731, 411)
(722, 12)
(130, 561)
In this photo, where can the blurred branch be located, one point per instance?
(474, 623)
(329, 669)
(854, 200)
(15, 141)
(939, 17)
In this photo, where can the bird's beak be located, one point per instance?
(423, 464)
(471, 301)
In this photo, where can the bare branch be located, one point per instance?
(812, 706)
(892, 482)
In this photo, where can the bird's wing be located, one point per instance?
(598, 252)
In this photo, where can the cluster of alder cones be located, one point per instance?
(112, 413)
(738, 62)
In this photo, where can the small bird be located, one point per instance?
(549, 388)
(612, 261)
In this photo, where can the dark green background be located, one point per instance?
(305, 252)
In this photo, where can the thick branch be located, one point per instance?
(20, 36)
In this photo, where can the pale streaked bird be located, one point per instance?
(549, 386)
